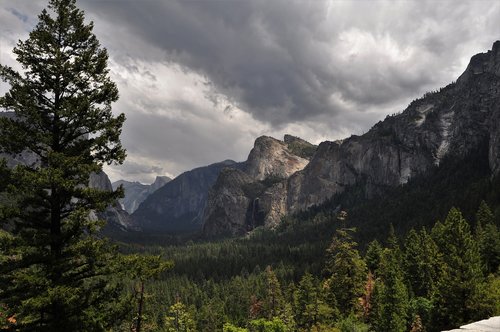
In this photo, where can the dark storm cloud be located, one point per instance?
(287, 61)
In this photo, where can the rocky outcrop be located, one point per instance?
(448, 123)
(255, 195)
(272, 158)
(116, 217)
(136, 192)
(178, 205)
(159, 182)
(300, 147)
(228, 204)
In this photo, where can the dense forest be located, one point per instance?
(355, 263)
(428, 280)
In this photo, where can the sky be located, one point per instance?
(199, 80)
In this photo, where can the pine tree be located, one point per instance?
(58, 275)
(372, 257)
(274, 302)
(347, 273)
(179, 319)
(460, 282)
(422, 263)
(488, 238)
(390, 296)
(307, 303)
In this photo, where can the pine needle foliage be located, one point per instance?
(56, 273)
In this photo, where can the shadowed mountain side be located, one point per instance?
(178, 205)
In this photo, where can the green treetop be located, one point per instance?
(458, 286)
(347, 273)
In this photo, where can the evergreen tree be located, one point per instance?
(488, 238)
(422, 263)
(372, 257)
(390, 296)
(57, 274)
(347, 273)
(309, 308)
(274, 302)
(459, 284)
(179, 319)
(275, 307)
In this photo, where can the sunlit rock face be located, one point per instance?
(272, 158)
(450, 122)
(255, 195)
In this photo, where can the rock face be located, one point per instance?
(116, 217)
(272, 158)
(448, 123)
(228, 204)
(136, 192)
(159, 182)
(255, 195)
(300, 147)
(178, 205)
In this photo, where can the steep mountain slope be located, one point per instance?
(136, 192)
(253, 196)
(178, 205)
(448, 123)
(117, 218)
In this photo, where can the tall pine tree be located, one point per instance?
(488, 238)
(390, 296)
(458, 286)
(56, 274)
(348, 273)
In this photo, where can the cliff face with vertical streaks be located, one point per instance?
(450, 123)
(254, 195)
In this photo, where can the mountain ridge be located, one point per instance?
(136, 192)
(448, 123)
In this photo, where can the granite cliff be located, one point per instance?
(178, 205)
(136, 192)
(254, 195)
(449, 123)
(116, 217)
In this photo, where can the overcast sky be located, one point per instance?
(200, 80)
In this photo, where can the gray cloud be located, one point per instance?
(199, 80)
(286, 60)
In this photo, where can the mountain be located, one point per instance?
(449, 124)
(136, 192)
(197, 197)
(117, 219)
(252, 196)
(178, 205)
